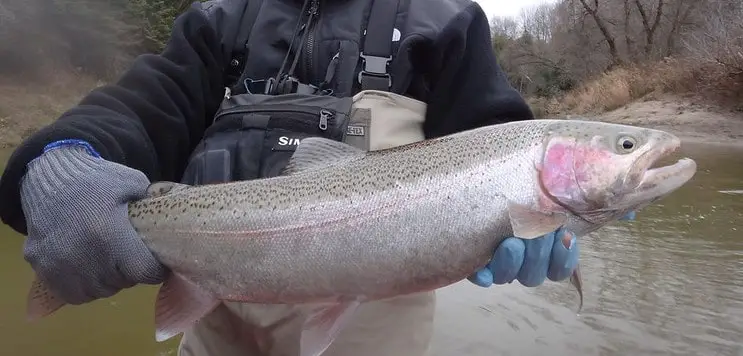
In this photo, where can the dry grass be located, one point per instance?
(24, 108)
(622, 86)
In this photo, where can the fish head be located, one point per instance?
(600, 171)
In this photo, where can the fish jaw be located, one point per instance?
(657, 183)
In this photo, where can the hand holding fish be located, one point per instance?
(531, 262)
(80, 240)
(553, 256)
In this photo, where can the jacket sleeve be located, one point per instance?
(468, 88)
(150, 119)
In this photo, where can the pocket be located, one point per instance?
(315, 120)
(257, 140)
(286, 126)
(394, 119)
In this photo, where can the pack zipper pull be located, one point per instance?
(330, 73)
(325, 116)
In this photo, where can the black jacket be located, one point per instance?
(156, 113)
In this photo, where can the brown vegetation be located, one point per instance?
(26, 108)
(581, 56)
(686, 78)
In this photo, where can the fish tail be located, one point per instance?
(41, 300)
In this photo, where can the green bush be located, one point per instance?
(156, 18)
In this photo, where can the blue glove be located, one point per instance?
(553, 256)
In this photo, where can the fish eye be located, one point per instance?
(626, 144)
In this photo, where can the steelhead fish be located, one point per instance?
(342, 226)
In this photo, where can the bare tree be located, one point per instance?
(593, 11)
(538, 21)
(679, 19)
(568, 41)
(628, 42)
(504, 26)
(720, 39)
(650, 27)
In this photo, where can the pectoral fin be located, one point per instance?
(575, 280)
(528, 223)
(323, 326)
(179, 305)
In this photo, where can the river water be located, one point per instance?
(669, 283)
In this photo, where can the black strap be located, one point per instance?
(377, 47)
(238, 41)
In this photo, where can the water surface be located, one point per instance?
(670, 283)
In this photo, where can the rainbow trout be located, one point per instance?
(342, 226)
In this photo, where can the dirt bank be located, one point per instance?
(24, 109)
(689, 120)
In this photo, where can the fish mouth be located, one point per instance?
(656, 181)
(663, 180)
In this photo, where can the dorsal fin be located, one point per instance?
(319, 152)
(157, 189)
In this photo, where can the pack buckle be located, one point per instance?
(375, 68)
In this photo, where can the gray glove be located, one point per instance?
(80, 241)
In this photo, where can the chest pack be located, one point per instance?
(255, 133)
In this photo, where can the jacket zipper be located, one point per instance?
(310, 44)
